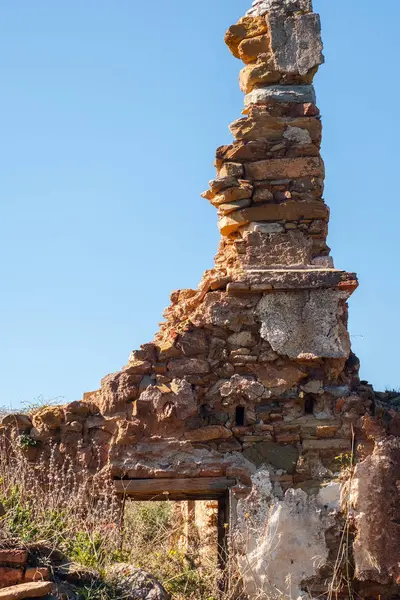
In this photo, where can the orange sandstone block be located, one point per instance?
(326, 431)
(250, 49)
(285, 168)
(36, 574)
(247, 27)
(292, 210)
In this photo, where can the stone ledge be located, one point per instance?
(290, 210)
(26, 590)
(258, 282)
(263, 94)
(331, 444)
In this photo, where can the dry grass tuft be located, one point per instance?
(44, 502)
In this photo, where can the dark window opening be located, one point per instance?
(204, 411)
(309, 405)
(240, 416)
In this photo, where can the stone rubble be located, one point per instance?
(136, 584)
(61, 578)
(252, 375)
(19, 579)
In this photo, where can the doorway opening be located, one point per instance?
(178, 531)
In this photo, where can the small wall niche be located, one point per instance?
(240, 416)
(309, 403)
(204, 412)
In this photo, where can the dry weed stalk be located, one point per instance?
(80, 514)
(343, 566)
(44, 502)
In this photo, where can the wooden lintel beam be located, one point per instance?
(201, 488)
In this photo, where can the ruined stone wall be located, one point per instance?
(251, 376)
(200, 534)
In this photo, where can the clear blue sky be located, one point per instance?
(110, 115)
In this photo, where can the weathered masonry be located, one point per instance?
(250, 384)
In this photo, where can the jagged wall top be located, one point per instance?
(291, 36)
(261, 7)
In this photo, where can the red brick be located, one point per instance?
(10, 576)
(13, 557)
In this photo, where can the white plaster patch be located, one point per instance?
(305, 323)
(330, 495)
(283, 538)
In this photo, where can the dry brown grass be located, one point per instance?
(80, 515)
(43, 502)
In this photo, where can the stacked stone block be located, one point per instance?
(270, 180)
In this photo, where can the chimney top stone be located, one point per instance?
(262, 7)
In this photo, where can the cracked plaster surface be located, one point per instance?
(305, 324)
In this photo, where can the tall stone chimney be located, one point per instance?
(269, 188)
